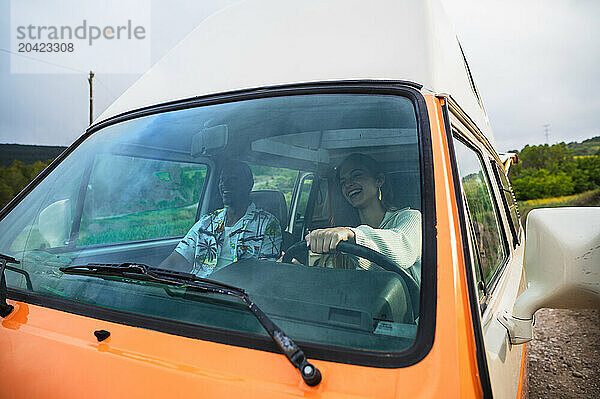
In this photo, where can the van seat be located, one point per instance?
(273, 202)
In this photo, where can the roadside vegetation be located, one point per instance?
(547, 171)
(27, 154)
(551, 176)
(589, 198)
(15, 177)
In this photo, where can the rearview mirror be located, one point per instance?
(210, 140)
(562, 265)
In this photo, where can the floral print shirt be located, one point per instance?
(256, 235)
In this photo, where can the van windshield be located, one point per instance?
(224, 191)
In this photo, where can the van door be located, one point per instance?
(498, 264)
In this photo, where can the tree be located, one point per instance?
(590, 166)
(552, 158)
(6, 194)
(547, 171)
(543, 184)
(15, 177)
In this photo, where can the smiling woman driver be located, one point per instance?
(395, 233)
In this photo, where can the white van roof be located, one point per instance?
(258, 43)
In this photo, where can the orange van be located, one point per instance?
(297, 201)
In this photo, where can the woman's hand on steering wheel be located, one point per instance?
(318, 241)
(326, 240)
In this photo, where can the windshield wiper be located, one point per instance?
(5, 308)
(310, 374)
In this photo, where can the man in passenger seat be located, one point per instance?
(240, 230)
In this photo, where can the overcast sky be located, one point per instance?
(535, 63)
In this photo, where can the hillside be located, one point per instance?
(547, 171)
(586, 147)
(28, 154)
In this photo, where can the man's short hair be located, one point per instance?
(241, 169)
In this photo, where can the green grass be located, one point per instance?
(589, 198)
(138, 226)
(146, 225)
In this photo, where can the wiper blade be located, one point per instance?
(137, 271)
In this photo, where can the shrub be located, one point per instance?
(543, 184)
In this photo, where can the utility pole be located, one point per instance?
(547, 133)
(91, 97)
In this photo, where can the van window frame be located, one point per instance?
(482, 154)
(515, 230)
(449, 107)
(427, 310)
(296, 195)
(474, 251)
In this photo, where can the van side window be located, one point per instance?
(476, 263)
(483, 217)
(305, 188)
(274, 179)
(299, 209)
(129, 199)
(510, 203)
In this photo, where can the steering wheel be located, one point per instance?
(299, 251)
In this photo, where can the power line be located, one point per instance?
(64, 67)
(42, 61)
(105, 87)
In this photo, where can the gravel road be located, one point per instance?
(564, 357)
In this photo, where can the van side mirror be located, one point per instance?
(53, 222)
(562, 265)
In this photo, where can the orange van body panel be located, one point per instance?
(523, 390)
(451, 262)
(54, 354)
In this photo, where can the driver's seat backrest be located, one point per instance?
(405, 186)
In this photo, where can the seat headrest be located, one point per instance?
(273, 202)
(405, 187)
